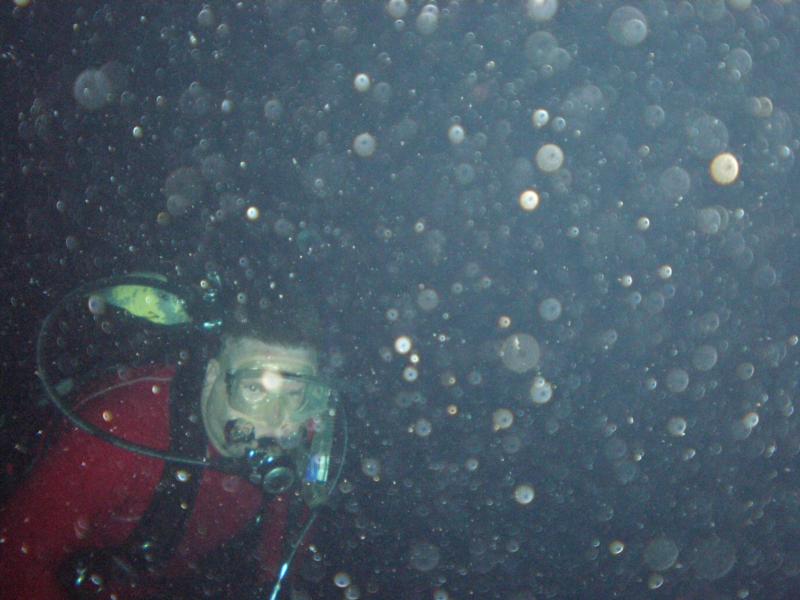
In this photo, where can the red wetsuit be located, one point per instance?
(85, 493)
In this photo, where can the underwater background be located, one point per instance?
(555, 245)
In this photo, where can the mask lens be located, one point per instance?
(266, 394)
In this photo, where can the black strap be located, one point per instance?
(163, 525)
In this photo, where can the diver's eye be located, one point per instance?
(252, 392)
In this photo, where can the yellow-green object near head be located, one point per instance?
(148, 302)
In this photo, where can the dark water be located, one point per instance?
(660, 450)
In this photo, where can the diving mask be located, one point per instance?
(270, 395)
(262, 398)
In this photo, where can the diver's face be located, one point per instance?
(250, 393)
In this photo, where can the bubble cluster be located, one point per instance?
(580, 217)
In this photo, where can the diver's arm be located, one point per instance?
(57, 511)
(43, 522)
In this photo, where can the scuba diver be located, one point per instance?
(185, 433)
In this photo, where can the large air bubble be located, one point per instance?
(520, 352)
(677, 380)
(92, 89)
(713, 558)
(627, 26)
(674, 182)
(708, 136)
(660, 554)
(550, 309)
(424, 557)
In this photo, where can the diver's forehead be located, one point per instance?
(250, 351)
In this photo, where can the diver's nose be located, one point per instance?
(274, 410)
